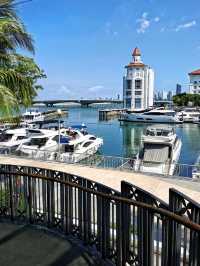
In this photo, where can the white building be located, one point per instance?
(194, 86)
(138, 84)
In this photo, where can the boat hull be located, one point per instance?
(142, 118)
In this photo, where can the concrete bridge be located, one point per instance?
(84, 103)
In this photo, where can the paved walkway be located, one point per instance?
(156, 185)
(28, 246)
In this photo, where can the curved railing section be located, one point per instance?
(131, 227)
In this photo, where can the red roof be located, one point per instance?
(195, 72)
(136, 52)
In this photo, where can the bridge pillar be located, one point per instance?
(85, 105)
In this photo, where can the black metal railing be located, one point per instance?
(131, 227)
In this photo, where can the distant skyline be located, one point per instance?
(83, 46)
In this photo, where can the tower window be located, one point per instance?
(138, 103)
(138, 84)
(138, 92)
(129, 84)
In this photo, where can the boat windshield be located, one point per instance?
(28, 117)
(160, 113)
(38, 141)
(160, 132)
(5, 137)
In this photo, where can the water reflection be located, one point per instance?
(132, 137)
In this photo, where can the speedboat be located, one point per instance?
(158, 115)
(189, 115)
(32, 115)
(73, 151)
(12, 138)
(41, 143)
(160, 152)
(4, 127)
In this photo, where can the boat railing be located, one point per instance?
(111, 162)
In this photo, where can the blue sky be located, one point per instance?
(83, 46)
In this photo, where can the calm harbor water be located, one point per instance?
(125, 139)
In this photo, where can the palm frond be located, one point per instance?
(8, 102)
(13, 35)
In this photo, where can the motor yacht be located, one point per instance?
(160, 152)
(189, 115)
(32, 115)
(73, 151)
(158, 115)
(4, 127)
(11, 139)
(41, 143)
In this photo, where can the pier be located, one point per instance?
(155, 184)
(107, 114)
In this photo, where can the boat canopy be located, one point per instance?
(82, 126)
(156, 153)
(64, 140)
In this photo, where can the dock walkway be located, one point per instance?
(157, 185)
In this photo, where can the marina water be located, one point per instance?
(124, 139)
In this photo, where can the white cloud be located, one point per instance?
(162, 29)
(144, 23)
(109, 31)
(186, 25)
(95, 88)
(144, 15)
(64, 89)
(156, 19)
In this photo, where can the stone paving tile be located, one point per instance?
(28, 246)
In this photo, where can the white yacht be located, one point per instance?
(189, 115)
(32, 115)
(41, 143)
(158, 115)
(12, 138)
(73, 151)
(160, 152)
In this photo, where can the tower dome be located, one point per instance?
(136, 52)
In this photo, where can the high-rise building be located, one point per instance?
(194, 86)
(178, 89)
(138, 83)
(169, 95)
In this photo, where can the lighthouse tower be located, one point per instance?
(138, 83)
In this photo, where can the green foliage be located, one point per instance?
(185, 98)
(18, 74)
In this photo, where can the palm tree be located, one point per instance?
(16, 87)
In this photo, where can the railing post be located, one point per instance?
(178, 249)
(174, 245)
(30, 199)
(126, 216)
(11, 194)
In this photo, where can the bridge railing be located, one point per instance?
(131, 227)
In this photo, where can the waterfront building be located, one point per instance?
(194, 86)
(138, 83)
(178, 89)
